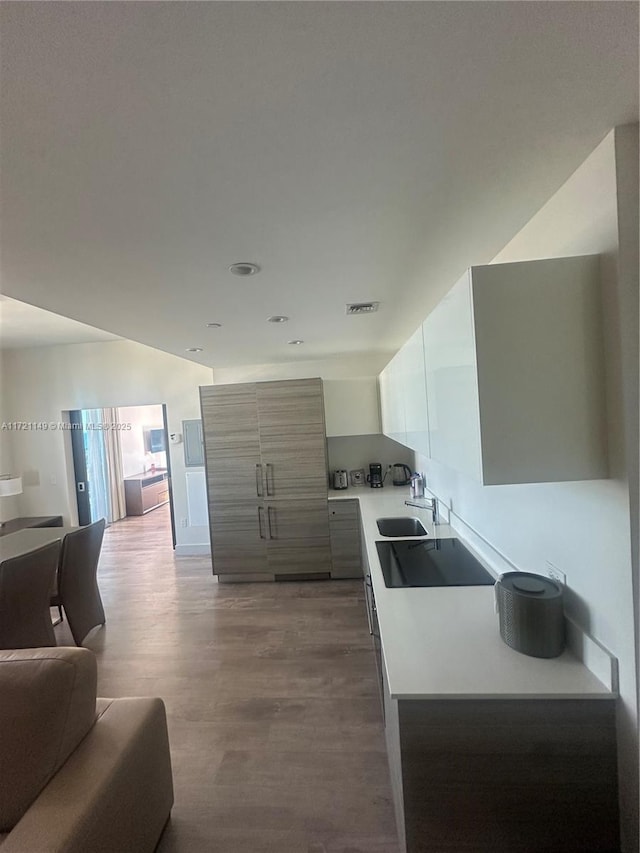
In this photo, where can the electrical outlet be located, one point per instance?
(555, 573)
(183, 522)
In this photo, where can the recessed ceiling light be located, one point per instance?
(244, 268)
(193, 349)
(277, 318)
(214, 325)
(295, 343)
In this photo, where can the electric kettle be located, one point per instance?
(401, 474)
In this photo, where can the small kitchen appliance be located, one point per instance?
(374, 477)
(531, 614)
(357, 477)
(417, 486)
(401, 474)
(340, 480)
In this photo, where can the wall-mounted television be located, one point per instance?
(154, 440)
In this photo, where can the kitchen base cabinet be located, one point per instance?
(503, 775)
(344, 529)
(298, 539)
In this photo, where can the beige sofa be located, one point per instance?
(78, 775)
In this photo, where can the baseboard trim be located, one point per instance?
(196, 550)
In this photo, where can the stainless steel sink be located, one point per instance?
(400, 527)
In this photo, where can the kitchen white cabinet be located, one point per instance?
(414, 393)
(515, 374)
(451, 382)
(403, 396)
(391, 383)
(351, 406)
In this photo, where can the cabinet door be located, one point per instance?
(344, 529)
(414, 391)
(392, 399)
(232, 443)
(299, 537)
(230, 421)
(290, 401)
(295, 461)
(293, 444)
(384, 390)
(452, 385)
(238, 537)
(235, 480)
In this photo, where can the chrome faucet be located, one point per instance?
(434, 507)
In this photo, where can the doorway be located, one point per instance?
(121, 462)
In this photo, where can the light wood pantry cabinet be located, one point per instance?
(266, 464)
(515, 373)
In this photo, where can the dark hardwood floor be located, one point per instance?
(271, 694)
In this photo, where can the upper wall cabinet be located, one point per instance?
(351, 406)
(415, 394)
(515, 375)
(391, 382)
(403, 396)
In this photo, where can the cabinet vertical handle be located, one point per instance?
(262, 536)
(367, 594)
(258, 479)
(269, 510)
(270, 491)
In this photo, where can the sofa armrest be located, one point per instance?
(115, 792)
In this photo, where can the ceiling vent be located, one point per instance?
(362, 307)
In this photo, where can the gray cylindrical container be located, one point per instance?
(531, 614)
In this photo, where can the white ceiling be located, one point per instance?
(355, 151)
(23, 325)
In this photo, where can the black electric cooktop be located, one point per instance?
(430, 562)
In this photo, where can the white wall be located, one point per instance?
(340, 367)
(40, 383)
(583, 527)
(357, 451)
(8, 505)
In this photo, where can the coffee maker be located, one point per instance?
(374, 477)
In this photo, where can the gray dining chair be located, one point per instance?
(77, 591)
(25, 587)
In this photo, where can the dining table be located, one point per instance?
(16, 544)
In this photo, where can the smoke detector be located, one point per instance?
(362, 307)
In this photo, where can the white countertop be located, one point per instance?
(444, 642)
